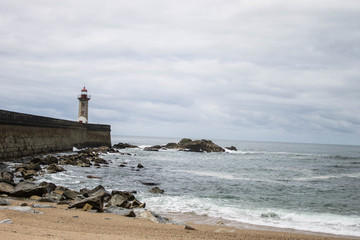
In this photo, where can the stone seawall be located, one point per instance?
(24, 135)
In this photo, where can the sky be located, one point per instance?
(258, 70)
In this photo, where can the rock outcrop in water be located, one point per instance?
(186, 144)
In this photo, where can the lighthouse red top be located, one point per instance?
(84, 94)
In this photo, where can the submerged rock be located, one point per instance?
(153, 148)
(156, 190)
(232, 148)
(124, 145)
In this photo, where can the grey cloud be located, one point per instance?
(258, 70)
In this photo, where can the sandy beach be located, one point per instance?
(61, 223)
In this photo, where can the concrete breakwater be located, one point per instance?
(25, 135)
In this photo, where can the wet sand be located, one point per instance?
(61, 223)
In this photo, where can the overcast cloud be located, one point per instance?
(272, 70)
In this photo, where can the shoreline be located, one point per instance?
(62, 223)
(221, 222)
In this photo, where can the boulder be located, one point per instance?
(34, 166)
(96, 203)
(54, 168)
(124, 145)
(49, 160)
(7, 176)
(48, 186)
(151, 216)
(128, 195)
(118, 200)
(70, 194)
(27, 189)
(98, 191)
(140, 165)
(156, 190)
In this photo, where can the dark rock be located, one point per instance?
(70, 194)
(140, 165)
(128, 195)
(172, 146)
(92, 176)
(200, 145)
(34, 166)
(36, 160)
(232, 148)
(156, 190)
(49, 160)
(137, 204)
(187, 227)
(27, 189)
(54, 168)
(124, 145)
(64, 202)
(7, 176)
(96, 203)
(27, 174)
(150, 183)
(122, 165)
(48, 186)
(153, 148)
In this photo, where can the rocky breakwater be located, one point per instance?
(97, 199)
(186, 144)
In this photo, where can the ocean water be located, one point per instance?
(306, 187)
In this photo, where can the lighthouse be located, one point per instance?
(83, 106)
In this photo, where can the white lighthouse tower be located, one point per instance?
(83, 106)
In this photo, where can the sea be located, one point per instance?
(299, 187)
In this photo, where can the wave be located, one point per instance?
(327, 177)
(280, 218)
(225, 176)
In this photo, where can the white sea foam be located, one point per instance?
(316, 222)
(327, 177)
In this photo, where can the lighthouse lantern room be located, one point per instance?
(83, 106)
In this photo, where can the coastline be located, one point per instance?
(60, 223)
